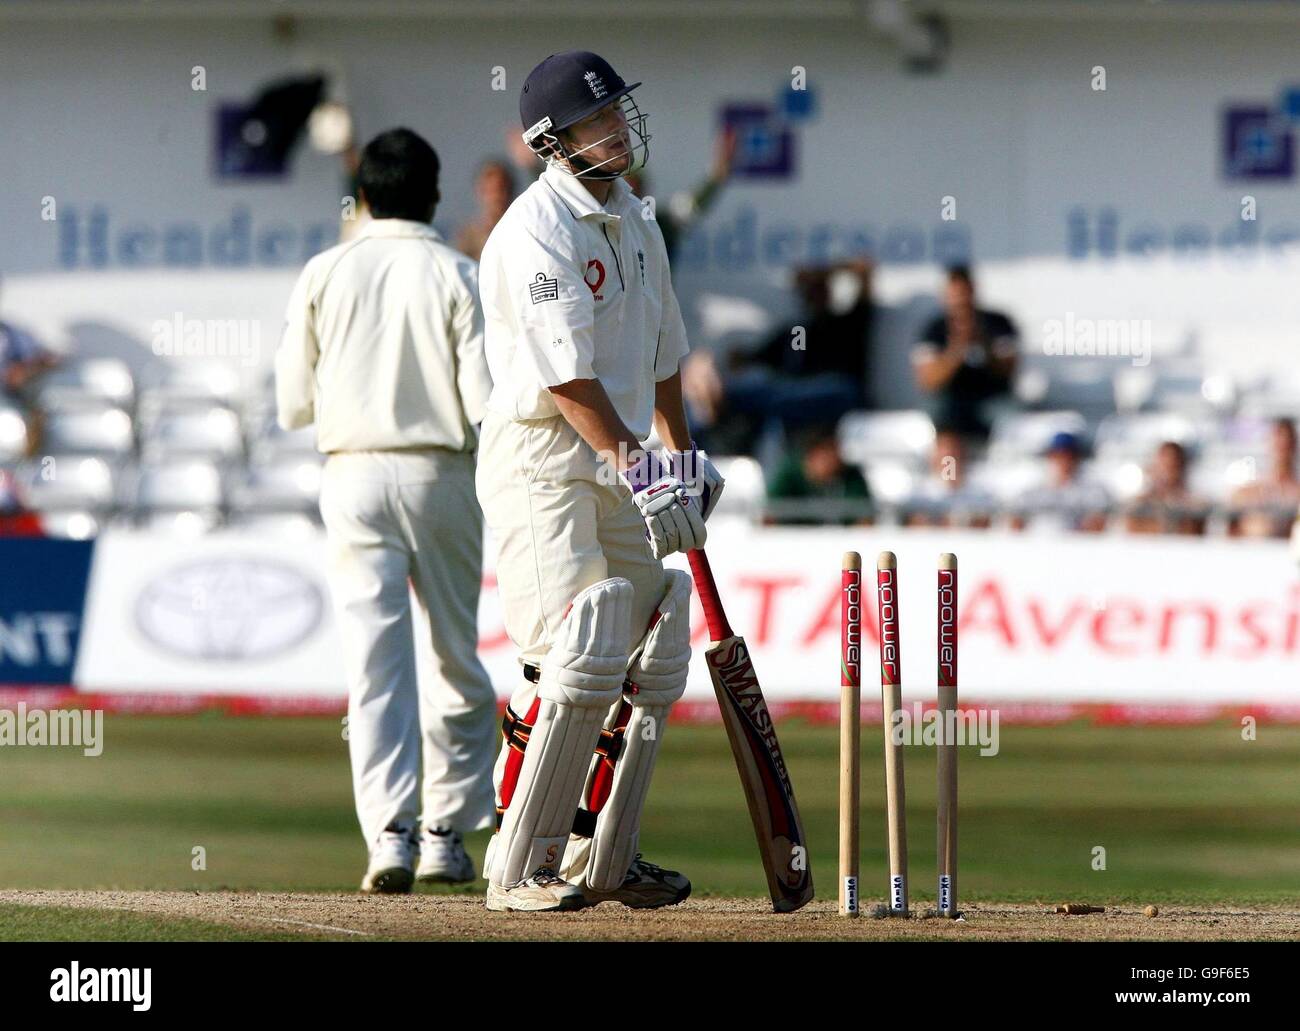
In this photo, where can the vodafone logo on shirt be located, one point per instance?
(595, 277)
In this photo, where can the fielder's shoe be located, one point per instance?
(392, 862)
(443, 859)
(541, 893)
(646, 886)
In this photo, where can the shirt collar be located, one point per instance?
(390, 227)
(580, 202)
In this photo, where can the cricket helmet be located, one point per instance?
(565, 89)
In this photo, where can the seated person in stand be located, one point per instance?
(813, 485)
(811, 371)
(1266, 506)
(1168, 504)
(946, 497)
(1066, 501)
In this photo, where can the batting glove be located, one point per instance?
(673, 519)
(702, 479)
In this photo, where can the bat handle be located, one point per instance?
(719, 628)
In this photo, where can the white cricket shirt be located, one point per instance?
(573, 290)
(383, 344)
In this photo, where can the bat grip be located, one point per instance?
(710, 600)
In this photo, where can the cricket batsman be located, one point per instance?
(584, 341)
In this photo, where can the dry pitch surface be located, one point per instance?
(462, 917)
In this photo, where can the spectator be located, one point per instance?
(494, 186)
(946, 497)
(1067, 501)
(965, 358)
(1266, 507)
(813, 370)
(383, 352)
(1167, 505)
(813, 485)
(15, 519)
(684, 209)
(22, 360)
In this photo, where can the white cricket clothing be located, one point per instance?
(384, 352)
(405, 564)
(383, 344)
(559, 527)
(573, 290)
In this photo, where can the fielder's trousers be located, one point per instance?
(405, 538)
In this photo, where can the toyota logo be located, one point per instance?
(233, 609)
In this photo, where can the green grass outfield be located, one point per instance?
(1185, 815)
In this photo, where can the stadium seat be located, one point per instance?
(274, 524)
(1136, 436)
(1240, 437)
(87, 382)
(69, 482)
(1234, 452)
(267, 442)
(74, 524)
(1177, 386)
(891, 481)
(294, 482)
(182, 523)
(13, 434)
(192, 485)
(1275, 396)
(1022, 434)
(905, 436)
(210, 431)
(1122, 478)
(746, 488)
(1006, 479)
(190, 381)
(1217, 476)
(104, 430)
(1080, 384)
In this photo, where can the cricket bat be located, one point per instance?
(763, 773)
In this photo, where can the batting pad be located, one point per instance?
(581, 677)
(657, 678)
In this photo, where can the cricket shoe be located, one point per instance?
(543, 892)
(443, 859)
(392, 862)
(646, 886)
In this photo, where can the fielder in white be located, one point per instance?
(584, 340)
(383, 350)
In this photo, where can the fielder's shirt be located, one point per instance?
(573, 290)
(383, 344)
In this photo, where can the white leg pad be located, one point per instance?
(658, 678)
(582, 675)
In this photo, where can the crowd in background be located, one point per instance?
(779, 401)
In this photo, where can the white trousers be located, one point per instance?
(558, 530)
(405, 540)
